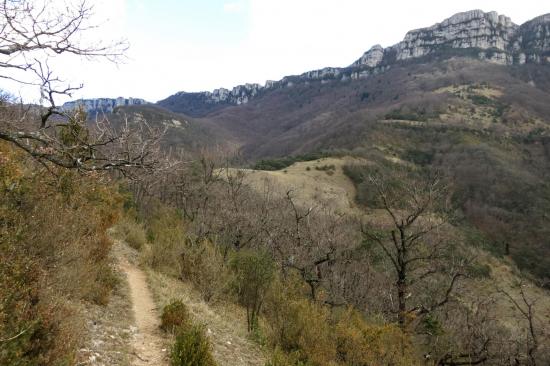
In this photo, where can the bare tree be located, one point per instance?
(412, 240)
(32, 33)
(312, 241)
(470, 335)
(526, 308)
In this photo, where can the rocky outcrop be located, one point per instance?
(371, 58)
(102, 105)
(485, 36)
(238, 95)
(470, 30)
(532, 41)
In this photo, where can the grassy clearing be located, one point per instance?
(324, 183)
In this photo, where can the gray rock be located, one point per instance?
(101, 105)
(371, 58)
(472, 29)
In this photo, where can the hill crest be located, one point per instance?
(477, 34)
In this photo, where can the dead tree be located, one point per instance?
(526, 307)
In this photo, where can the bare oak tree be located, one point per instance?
(32, 33)
(525, 306)
(411, 240)
(312, 242)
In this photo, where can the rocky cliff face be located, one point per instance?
(371, 58)
(238, 95)
(486, 36)
(474, 29)
(101, 105)
(531, 42)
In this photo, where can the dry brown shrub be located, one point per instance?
(202, 263)
(299, 325)
(174, 315)
(131, 232)
(167, 236)
(361, 343)
(54, 254)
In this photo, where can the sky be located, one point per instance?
(198, 45)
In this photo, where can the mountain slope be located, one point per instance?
(468, 96)
(485, 125)
(480, 35)
(182, 133)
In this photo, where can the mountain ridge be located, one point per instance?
(486, 36)
(102, 105)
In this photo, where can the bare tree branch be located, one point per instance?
(33, 32)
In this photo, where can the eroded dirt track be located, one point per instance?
(148, 342)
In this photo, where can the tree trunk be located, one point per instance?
(401, 299)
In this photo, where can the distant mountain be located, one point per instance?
(102, 105)
(476, 34)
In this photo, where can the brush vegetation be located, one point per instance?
(54, 255)
(320, 287)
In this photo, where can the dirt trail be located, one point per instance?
(148, 342)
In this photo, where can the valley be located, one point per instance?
(394, 211)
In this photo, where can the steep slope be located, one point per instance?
(182, 133)
(485, 125)
(468, 96)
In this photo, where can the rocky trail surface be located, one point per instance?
(125, 332)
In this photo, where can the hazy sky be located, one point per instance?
(196, 45)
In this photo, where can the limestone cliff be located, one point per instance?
(102, 105)
(485, 36)
(470, 30)
(371, 58)
(531, 43)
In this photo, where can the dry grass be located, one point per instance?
(464, 89)
(311, 187)
(506, 276)
(131, 232)
(225, 323)
(51, 266)
(108, 330)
